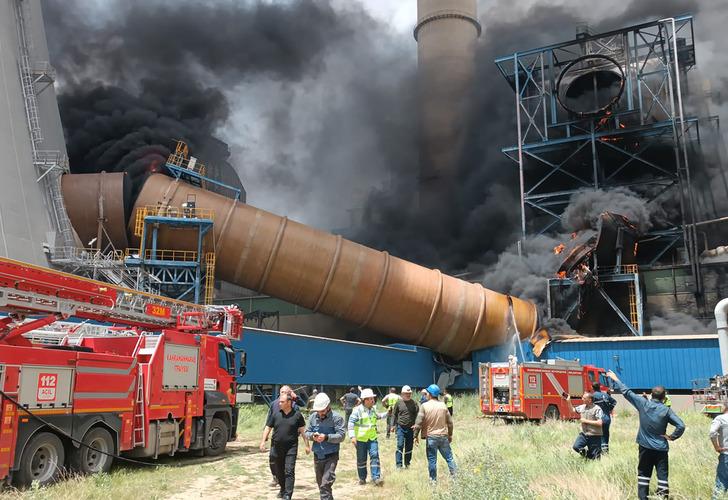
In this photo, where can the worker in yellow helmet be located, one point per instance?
(447, 398)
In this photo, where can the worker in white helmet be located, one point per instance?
(326, 430)
(363, 435)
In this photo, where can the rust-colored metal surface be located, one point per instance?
(326, 273)
(94, 198)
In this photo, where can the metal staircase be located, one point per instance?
(49, 165)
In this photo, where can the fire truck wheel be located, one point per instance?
(85, 460)
(551, 413)
(217, 438)
(42, 460)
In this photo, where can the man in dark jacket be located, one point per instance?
(652, 436)
(607, 403)
(404, 415)
(326, 430)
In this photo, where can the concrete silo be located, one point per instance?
(446, 34)
(32, 148)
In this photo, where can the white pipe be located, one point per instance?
(721, 322)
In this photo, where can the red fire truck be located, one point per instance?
(156, 378)
(535, 390)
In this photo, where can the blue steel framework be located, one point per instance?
(180, 279)
(197, 179)
(560, 153)
(164, 272)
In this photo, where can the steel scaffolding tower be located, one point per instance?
(606, 111)
(180, 274)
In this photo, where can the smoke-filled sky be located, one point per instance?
(313, 102)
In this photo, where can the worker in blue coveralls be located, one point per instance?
(652, 436)
(607, 403)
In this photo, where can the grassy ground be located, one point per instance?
(496, 461)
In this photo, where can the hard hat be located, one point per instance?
(434, 390)
(406, 389)
(321, 401)
(367, 393)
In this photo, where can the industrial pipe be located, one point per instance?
(721, 322)
(329, 274)
(97, 205)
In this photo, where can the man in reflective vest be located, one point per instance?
(363, 435)
(390, 401)
(447, 397)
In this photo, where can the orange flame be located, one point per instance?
(559, 248)
(561, 275)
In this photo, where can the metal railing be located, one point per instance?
(86, 254)
(180, 158)
(169, 211)
(177, 255)
(623, 269)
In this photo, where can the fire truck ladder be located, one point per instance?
(138, 436)
(42, 290)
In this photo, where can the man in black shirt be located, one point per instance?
(275, 408)
(287, 424)
(404, 416)
(349, 401)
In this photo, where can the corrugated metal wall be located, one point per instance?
(640, 363)
(644, 363)
(287, 358)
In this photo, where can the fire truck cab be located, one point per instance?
(535, 390)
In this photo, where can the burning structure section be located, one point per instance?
(607, 113)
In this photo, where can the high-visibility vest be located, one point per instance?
(448, 400)
(365, 429)
(392, 400)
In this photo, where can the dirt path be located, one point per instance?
(244, 473)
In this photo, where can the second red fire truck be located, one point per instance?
(158, 377)
(535, 390)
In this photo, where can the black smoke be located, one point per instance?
(484, 214)
(313, 101)
(152, 73)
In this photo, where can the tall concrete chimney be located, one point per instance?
(446, 34)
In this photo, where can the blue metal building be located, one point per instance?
(287, 358)
(640, 362)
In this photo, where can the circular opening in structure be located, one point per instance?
(590, 85)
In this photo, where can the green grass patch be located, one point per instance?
(495, 461)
